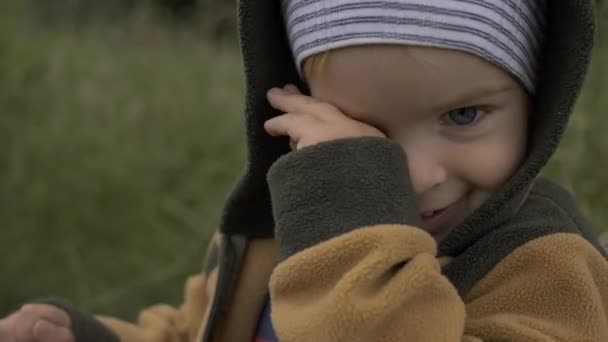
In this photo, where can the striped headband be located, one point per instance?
(508, 33)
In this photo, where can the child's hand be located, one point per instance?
(308, 121)
(36, 323)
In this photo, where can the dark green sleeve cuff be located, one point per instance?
(332, 188)
(84, 326)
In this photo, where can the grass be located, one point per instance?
(120, 145)
(117, 153)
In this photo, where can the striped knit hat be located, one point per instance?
(508, 33)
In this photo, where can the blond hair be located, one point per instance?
(314, 65)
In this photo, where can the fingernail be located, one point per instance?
(291, 88)
(276, 91)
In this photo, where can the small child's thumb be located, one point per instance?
(6, 334)
(45, 331)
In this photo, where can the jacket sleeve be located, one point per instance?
(354, 269)
(158, 323)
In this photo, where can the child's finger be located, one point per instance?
(280, 125)
(49, 312)
(295, 103)
(46, 331)
(289, 124)
(6, 331)
(292, 89)
(275, 129)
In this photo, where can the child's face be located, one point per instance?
(461, 120)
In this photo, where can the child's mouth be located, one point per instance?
(430, 214)
(436, 220)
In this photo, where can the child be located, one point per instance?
(410, 208)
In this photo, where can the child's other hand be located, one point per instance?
(308, 121)
(36, 323)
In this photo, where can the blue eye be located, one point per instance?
(463, 116)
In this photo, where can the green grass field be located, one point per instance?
(119, 146)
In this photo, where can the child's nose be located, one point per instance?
(426, 169)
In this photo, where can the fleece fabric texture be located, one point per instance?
(374, 289)
(340, 179)
(352, 266)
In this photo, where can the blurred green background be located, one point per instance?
(121, 136)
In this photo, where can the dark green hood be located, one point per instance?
(268, 63)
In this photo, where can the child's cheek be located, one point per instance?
(491, 163)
